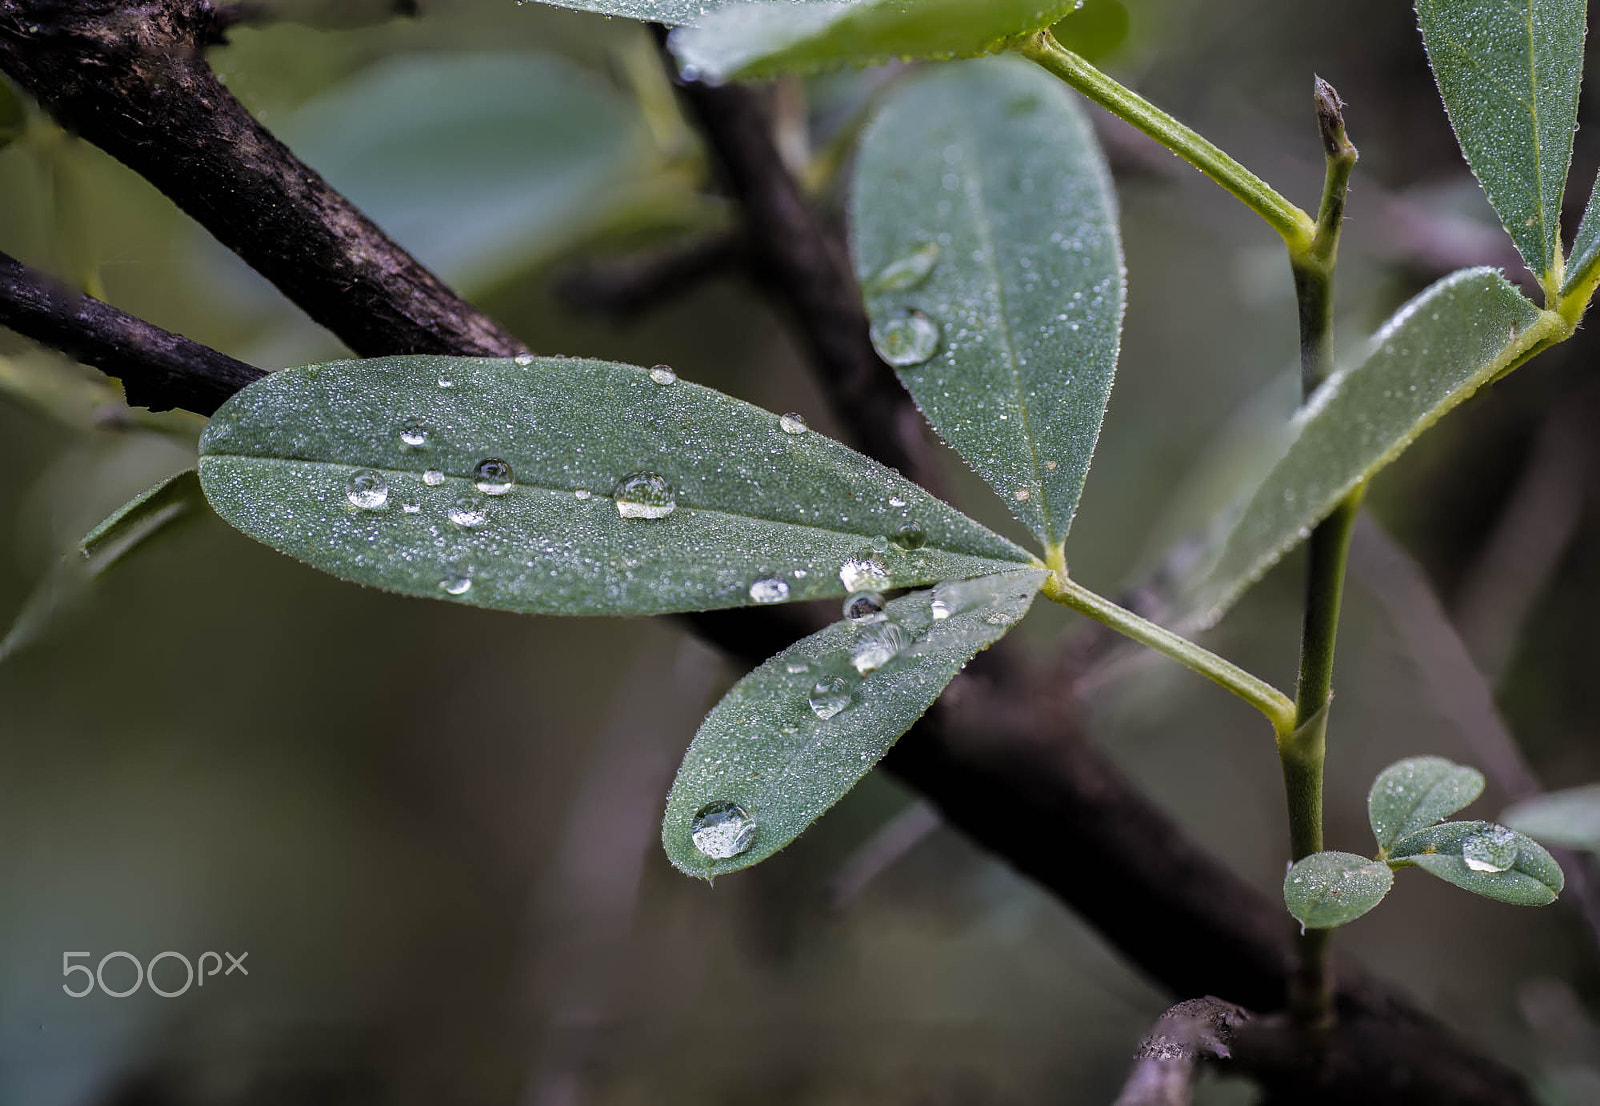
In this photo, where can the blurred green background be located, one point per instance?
(433, 828)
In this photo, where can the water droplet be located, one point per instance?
(523, 359)
(367, 489)
(896, 501)
(793, 423)
(644, 495)
(456, 585)
(878, 645)
(467, 513)
(411, 508)
(433, 478)
(795, 668)
(1022, 495)
(492, 477)
(863, 573)
(722, 830)
(906, 271)
(1493, 850)
(769, 589)
(663, 374)
(582, 493)
(414, 434)
(906, 338)
(829, 696)
(939, 608)
(446, 382)
(909, 538)
(864, 607)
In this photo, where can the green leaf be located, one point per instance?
(1570, 818)
(1414, 793)
(126, 528)
(1330, 889)
(1486, 859)
(1585, 244)
(1434, 353)
(983, 210)
(794, 735)
(757, 513)
(13, 115)
(674, 13)
(770, 37)
(1509, 72)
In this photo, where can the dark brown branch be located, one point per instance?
(130, 77)
(158, 369)
(1167, 1061)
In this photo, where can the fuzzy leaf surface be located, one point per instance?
(1486, 859)
(1570, 817)
(990, 168)
(1332, 888)
(765, 748)
(1414, 793)
(752, 502)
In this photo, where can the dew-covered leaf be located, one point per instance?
(1435, 352)
(794, 735)
(1332, 888)
(1414, 793)
(123, 530)
(764, 38)
(568, 486)
(985, 236)
(1570, 818)
(673, 13)
(1484, 858)
(1509, 71)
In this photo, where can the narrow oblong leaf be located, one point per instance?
(1489, 860)
(985, 227)
(1436, 351)
(568, 487)
(1332, 888)
(765, 38)
(1414, 793)
(673, 13)
(1508, 71)
(1570, 817)
(798, 732)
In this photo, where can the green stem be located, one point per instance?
(1253, 690)
(1288, 220)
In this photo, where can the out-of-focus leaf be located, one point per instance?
(478, 164)
(107, 544)
(1414, 793)
(317, 462)
(1486, 859)
(1436, 351)
(1509, 71)
(1330, 889)
(985, 231)
(13, 115)
(1570, 818)
(1094, 30)
(674, 13)
(794, 735)
(764, 38)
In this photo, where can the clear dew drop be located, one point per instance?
(663, 374)
(411, 508)
(492, 477)
(908, 270)
(769, 589)
(864, 607)
(644, 495)
(455, 585)
(939, 608)
(433, 478)
(367, 489)
(896, 501)
(414, 434)
(1493, 850)
(878, 644)
(582, 493)
(523, 359)
(863, 572)
(722, 830)
(908, 538)
(467, 514)
(829, 696)
(906, 338)
(446, 382)
(793, 423)
(795, 668)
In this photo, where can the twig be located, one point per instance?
(1167, 1061)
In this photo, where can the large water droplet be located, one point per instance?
(863, 572)
(456, 585)
(446, 382)
(367, 489)
(939, 608)
(829, 696)
(878, 645)
(722, 830)
(433, 478)
(644, 495)
(908, 270)
(908, 538)
(581, 493)
(769, 589)
(411, 508)
(523, 359)
(906, 338)
(793, 423)
(864, 607)
(1493, 850)
(467, 514)
(414, 434)
(492, 477)
(663, 374)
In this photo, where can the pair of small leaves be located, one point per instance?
(1405, 806)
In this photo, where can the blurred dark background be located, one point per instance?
(434, 829)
